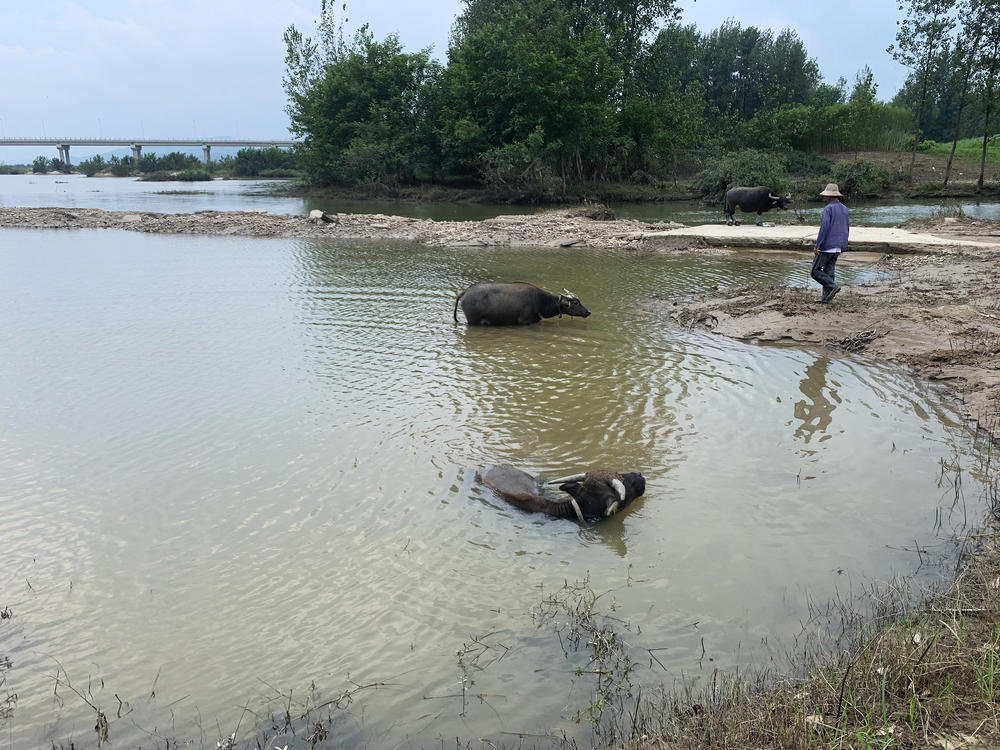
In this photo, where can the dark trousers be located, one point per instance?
(823, 270)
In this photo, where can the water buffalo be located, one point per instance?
(515, 303)
(592, 496)
(747, 199)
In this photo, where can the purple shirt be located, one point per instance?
(833, 227)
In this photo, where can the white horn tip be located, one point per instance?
(619, 488)
(574, 478)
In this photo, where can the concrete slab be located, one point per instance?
(802, 237)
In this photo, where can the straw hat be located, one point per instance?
(832, 189)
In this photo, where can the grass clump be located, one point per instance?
(7, 697)
(967, 148)
(922, 677)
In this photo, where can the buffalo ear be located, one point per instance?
(571, 488)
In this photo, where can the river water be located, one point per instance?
(235, 470)
(129, 194)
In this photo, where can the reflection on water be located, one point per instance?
(815, 410)
(234, 466)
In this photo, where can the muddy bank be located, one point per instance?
(578, 227)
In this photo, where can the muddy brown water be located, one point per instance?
(231, 468)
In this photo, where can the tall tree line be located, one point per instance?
(952, 48)
(536, 94)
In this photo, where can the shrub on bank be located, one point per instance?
(187, 175)
(522, 170)
(748, 167)
(92, 166)
(860, 179)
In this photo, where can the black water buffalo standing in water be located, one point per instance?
(749, 199)
(592, 496)
(515, 303)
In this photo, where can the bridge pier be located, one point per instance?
(64, 154)
(136, 152)
(208, 152)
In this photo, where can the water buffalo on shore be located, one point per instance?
(749, 199)
(592, 496)
(515, 303)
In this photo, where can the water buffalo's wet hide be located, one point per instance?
(591, 496)
(515, 303)
(752, 200)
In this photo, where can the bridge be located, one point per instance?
(136, 144)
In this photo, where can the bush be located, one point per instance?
(253, 162)
(92, 166)
(748, 167)
(193, 175)
(803, 164)
(121, 167)
(369, 164)
(520, 170)
(860, 178)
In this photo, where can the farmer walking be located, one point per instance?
(834, 227)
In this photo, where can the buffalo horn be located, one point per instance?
(574, 478)
(772, 196)
(577, 509)
(619, 488)
(612, 509)
(568, 293)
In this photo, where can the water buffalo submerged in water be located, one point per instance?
(515, 303)
(592, 496)
(749, 199)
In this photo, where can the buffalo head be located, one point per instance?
(780, 201)
(599, 494)
(592, 496)
(570, 304)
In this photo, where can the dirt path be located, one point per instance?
(802, 237)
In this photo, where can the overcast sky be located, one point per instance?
(213, 68)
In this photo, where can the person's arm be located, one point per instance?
(824, 229)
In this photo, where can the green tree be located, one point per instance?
(921, 33)
(357, 108)
(251, 162)
(531, 67)
(121, 166)
(745, 70)
(987, 12)
(861, 105)
(149, 162)
(92, 166)
(974, 27)
(40, 164)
